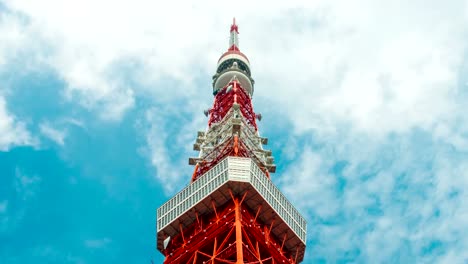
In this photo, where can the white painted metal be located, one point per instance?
(231, 169)
(223, 131)
(227, 76)
(233, 56)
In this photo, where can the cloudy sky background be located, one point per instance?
(363, 102)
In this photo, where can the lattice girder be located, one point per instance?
(192, 209)
(231, 132)
(231, 212)
(219, 242)
(226, 98)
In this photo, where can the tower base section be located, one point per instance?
(231, 234)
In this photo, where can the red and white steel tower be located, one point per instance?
(231, 212)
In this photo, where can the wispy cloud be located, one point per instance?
(401, 198)
(13, 210)
(373, 72)
(48, 253)
(12, 131)
(56, 135)
(166, 142)
(26, 185)
(97, 243)
(374, 92)
(379, 68)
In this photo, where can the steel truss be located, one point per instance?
(228, 137)
(211, 220)
(232, 234)
(226, 98)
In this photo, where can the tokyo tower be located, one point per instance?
(231, 212)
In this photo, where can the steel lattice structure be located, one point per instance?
(231, 212)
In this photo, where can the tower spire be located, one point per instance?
(234, 39)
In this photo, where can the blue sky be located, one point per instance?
(363, 103)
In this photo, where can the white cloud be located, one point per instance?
(382, 66)
(58, 136)
(391, 200)
(297, 183)
(166, 142)
(365, 76)
(12, 132)
(12, 37)
(159, 154)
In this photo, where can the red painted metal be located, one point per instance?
(232, 235)
(232, 50)
(224, 150)
(234, 26)
(224, 101)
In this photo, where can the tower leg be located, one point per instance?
(238, 224)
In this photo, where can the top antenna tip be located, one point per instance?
(234, 26)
